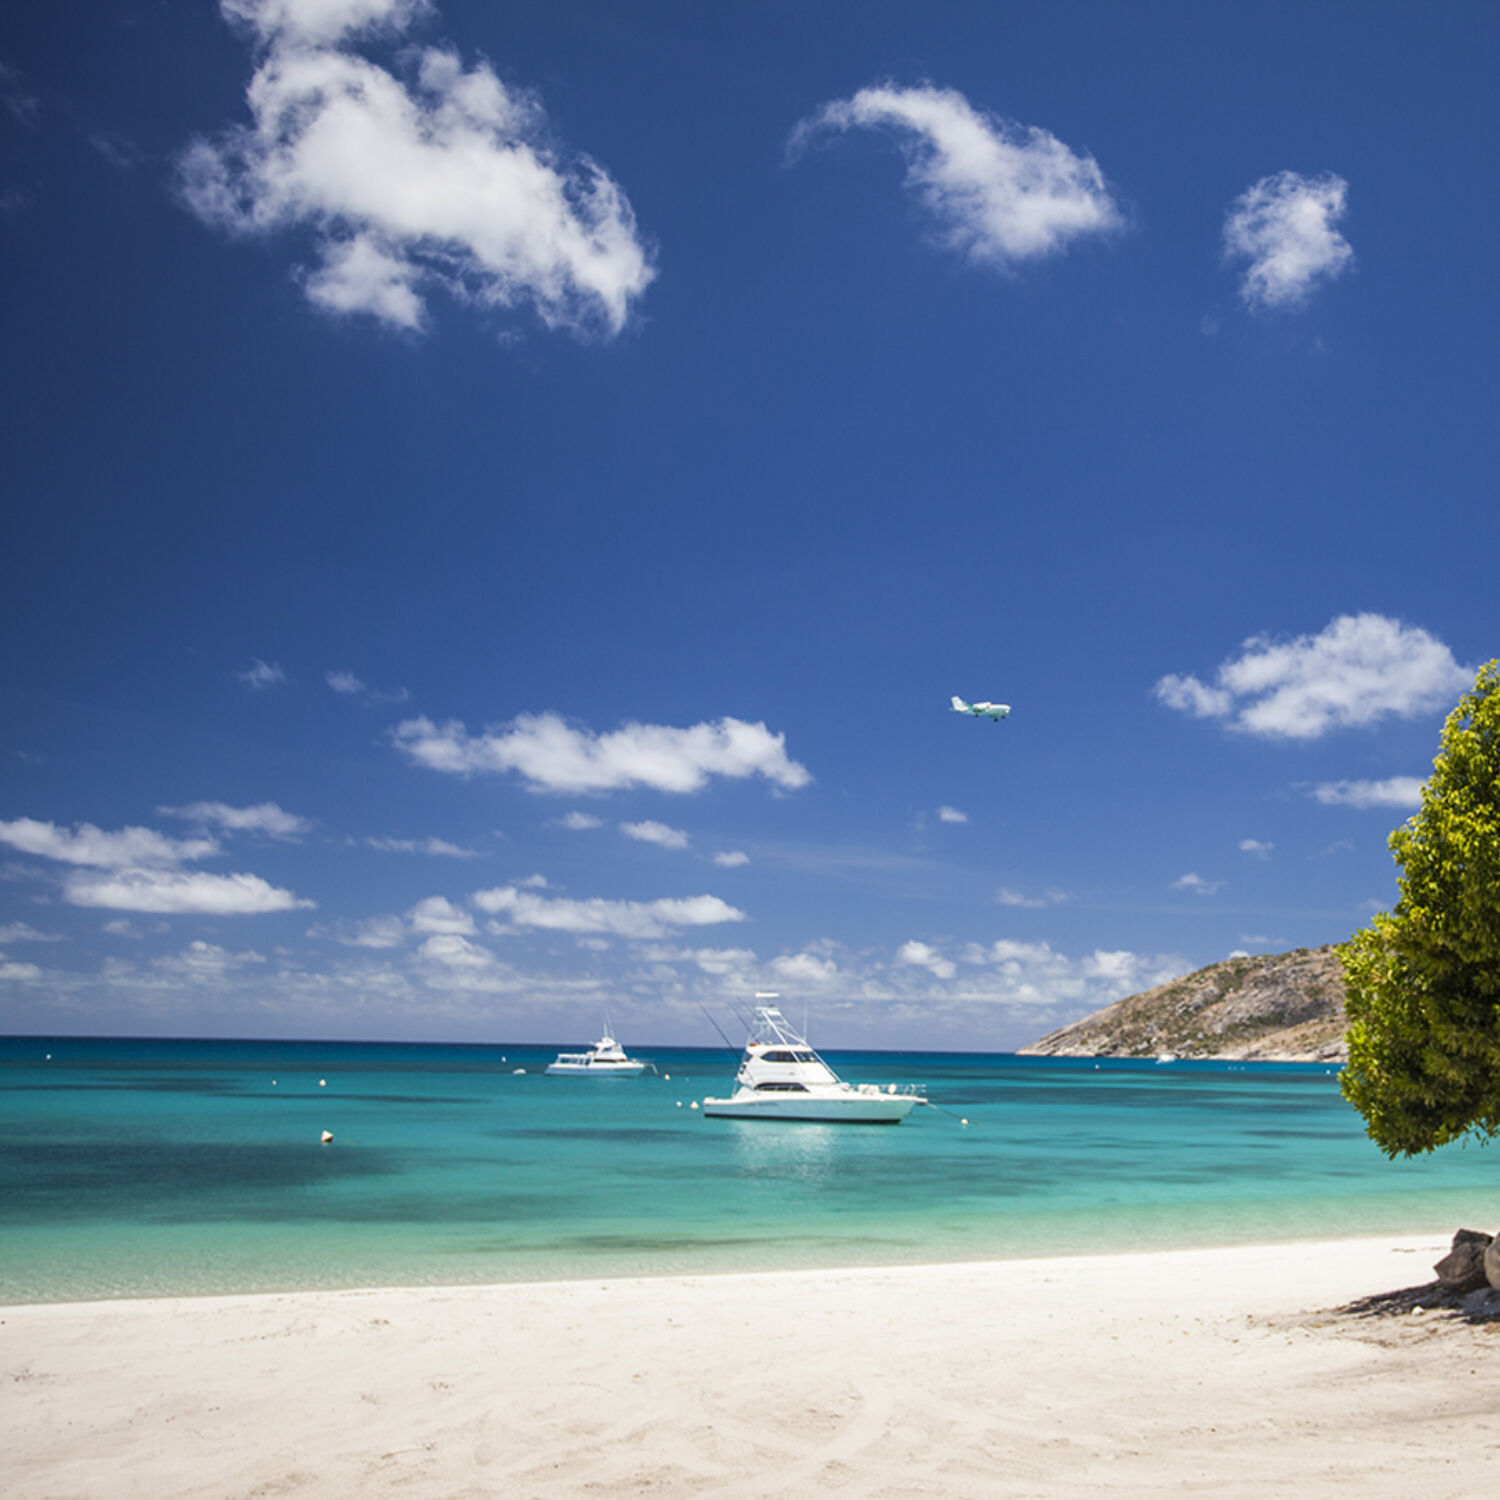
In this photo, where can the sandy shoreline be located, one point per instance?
(1182, 1371)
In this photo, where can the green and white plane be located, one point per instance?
(995, 711)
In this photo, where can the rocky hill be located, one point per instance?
(1284, 1007)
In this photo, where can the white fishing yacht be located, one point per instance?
(782, 1078)
(605, 1059)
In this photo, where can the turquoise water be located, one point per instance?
(149, 1168)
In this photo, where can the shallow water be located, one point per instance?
(150, 1168)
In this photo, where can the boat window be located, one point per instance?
(783, 1057)
(780, 1088)
(804, 1057)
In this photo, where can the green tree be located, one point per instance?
(1424, 981)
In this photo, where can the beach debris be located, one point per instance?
(327, 1136)
(1465, 1268)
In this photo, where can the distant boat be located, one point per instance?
(782, 1078)
(605, 1059)
(1166, 1057)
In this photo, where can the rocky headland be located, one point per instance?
(1283, 1007)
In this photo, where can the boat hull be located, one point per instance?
(875, 1110)
(595, 1070)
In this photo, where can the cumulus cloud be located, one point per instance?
(179, 892)
(1284, 226)
(651, 832)
(455, 952)
(1357, 671)
(424, 176)
(205, 963)
(1256, 847)
(18, 973)
(731, 859)
(438, 914)
(631, 919)
(580, 822)
(1395, 791)
(951, 815)
(1195, 883)
(924, 957)
(553, 756)
(142, 873)
(261, 675)
(804, 970)
(998, 193)
(264, 817)
(87, 845)
(375, 932)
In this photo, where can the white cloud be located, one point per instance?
(1008, 896)
(1194, 882)
(321, 23)
(951, 815)
(264, 817)
(205, 963)
(21, 932)
(349, 686)
(923, 957)
(632, 919)
(179, 892)
(123, 927)
(1358, 670)
(1256, 847)
(438, 914)
(1284, 227)
(433, 176)
(261, 675)
(580, 822)
(375, 932)
(1396, 791)
(552, 756)
(999, 193)
(433, 846)
(651, 832)
(88, 845)
(731, 859)
(18, 973)
(804, 970)
(456, 952)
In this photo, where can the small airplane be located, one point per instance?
(995, 711)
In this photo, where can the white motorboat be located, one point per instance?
(605, 1059)
(782, 1078)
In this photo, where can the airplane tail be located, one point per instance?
(959, 706)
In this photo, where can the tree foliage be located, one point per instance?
(1423, 981)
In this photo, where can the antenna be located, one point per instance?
(734, 1051)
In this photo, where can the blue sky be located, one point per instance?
(498, 499)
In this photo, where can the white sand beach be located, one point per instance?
(1178, 1372)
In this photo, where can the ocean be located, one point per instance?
(142, 1168)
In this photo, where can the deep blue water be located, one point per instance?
(145, 1168)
